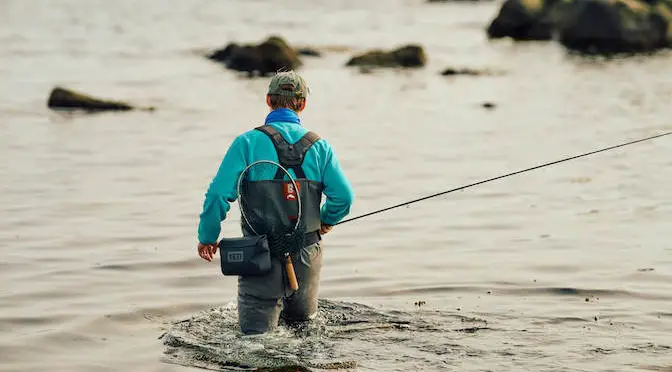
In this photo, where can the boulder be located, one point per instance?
(615, 26)
(62, 98)
(405, 56)
(588, 26)
(523, 20)
(222, 55)
(268, 57)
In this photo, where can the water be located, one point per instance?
(99, 212)
(353, 336)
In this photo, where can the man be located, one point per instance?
(263, 299)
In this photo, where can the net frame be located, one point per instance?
(280, 243)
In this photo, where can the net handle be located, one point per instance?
(240, 182)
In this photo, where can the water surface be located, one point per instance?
(99, 212)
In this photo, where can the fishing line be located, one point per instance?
(504, 176)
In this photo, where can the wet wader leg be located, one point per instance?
(258, 315)
(259, 300)
(302, 304)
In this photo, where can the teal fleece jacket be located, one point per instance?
(320, 164)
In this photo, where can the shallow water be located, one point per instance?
(356, 337)
(99, 212)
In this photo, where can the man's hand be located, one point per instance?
(207, 251)
(325, 229)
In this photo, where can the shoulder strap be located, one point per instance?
(290, 156)
(275, 136)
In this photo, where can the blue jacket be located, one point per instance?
(320, 164)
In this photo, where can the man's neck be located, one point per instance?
(283, 115)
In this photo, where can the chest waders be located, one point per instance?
(271, 207)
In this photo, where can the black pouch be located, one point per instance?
(246, 256)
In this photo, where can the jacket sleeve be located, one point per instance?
(221, 192)
(337, 189)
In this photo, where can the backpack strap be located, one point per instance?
(290, 156)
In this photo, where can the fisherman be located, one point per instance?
(263, 299)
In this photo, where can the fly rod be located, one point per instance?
(504, 176)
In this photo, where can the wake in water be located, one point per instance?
(343, 336)
(351, 336)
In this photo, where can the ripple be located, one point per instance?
(531, 291)
(343, 334)
(13, 321)
(151, 266)
(109, 188)
(116, 267)
(650, 347)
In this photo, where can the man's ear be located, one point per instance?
(268, 100)
(303, 104)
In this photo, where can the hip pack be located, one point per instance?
(246, 256)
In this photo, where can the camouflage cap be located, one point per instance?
(289, 84)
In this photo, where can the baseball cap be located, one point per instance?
(289, 84)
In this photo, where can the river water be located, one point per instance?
(569, 266)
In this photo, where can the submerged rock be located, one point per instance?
(588, 26)
(309, 52)
(450, 71)
(405, 56)
(268, 57)
(62, 98)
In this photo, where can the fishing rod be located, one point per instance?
(503, 176)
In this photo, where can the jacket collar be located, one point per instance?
(283, 115)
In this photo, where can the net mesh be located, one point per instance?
(283, 243)
(285, 238)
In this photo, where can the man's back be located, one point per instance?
(263, 298)
(320, 164)
(258, 146)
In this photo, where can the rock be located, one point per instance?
(524, 20)
(405, 56)
(309, 52)
(222, 55)
(614, 27)
(588, 26)
(245, 58)
(62, 98)
(450, 71)
(278, 55)
(272, 55)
